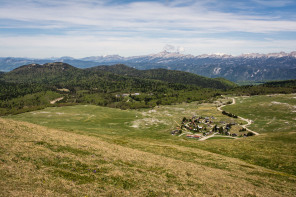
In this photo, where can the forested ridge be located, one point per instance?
(34, 86)
(272, 87)
(171, 76)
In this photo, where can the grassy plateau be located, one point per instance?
(87, 150)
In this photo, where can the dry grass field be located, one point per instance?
(96, 151)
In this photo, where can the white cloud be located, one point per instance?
(169, 48)
(96, 27)
(180, 49)
(140, 16)
(82, 46)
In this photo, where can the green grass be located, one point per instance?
(153, 124)
(34, 164)
(83, 118)
(274, 113)
(274, 151)
(148, 131)
(134, 128)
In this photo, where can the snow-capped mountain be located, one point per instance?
(269, 55)
(103, 58)
(178, 55)
(245, 67)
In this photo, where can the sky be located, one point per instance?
(82, 28)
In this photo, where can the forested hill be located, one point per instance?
(35, 86)
(48, 72)
(170, 76)
(272, 87)
(286, 83)
(62, 72)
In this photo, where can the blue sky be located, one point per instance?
(38, 28)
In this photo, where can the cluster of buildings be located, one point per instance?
(199, 127)
(195, 124)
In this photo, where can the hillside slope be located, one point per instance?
(32, 86)
(170, 76)
(48, 72)
(37, 161)
(62, 72)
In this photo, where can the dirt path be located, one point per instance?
(56, 100)
(249, 122)
(233, 102)
(207, 137)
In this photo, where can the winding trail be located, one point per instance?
(249, 122)
(233, 102)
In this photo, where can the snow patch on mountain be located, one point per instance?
(178, 55)
(217, 71)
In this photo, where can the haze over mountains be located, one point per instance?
(246, 67)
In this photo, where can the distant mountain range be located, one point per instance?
(247, 67)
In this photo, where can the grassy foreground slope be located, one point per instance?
(137, 128)
(133, 153)
(36, 160)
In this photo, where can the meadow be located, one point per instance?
(91, 150)
(271, 113)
